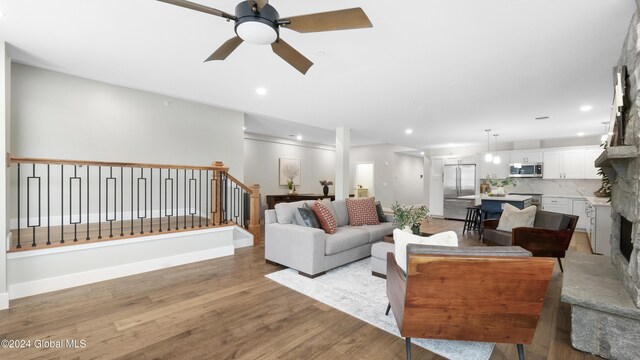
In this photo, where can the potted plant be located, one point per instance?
(409, 218)
(500, 184)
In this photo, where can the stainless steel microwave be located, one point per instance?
(533, 170)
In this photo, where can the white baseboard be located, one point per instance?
(63, 282)
(4, 301)
(240, 243)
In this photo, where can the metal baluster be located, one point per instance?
(75, 224)
(48, 206)
(33, 227)
(88, 220)
(109, 218)
(145, 201)
(191, 197)
(200, 198)
(61, 204)
(122, 201)
(19, 246)
(151, 198)
(131, 201)
(226, 214)
(236, 209)
(206, 185)
(99, 202)
(185, 199)
(160, 201)
(177, 201)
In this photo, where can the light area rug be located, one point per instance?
(353, 290)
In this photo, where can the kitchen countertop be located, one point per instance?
(564, 196)
(478, 198)
(598, 201)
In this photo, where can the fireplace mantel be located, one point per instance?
(614, 160)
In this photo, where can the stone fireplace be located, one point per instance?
(604, 292)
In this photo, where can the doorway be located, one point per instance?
(364, 177)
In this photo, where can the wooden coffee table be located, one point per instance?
(389, 238)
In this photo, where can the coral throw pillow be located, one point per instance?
(326, 218)
(362, 212)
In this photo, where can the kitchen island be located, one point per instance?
(492, 206)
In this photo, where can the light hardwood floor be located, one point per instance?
(224, 309)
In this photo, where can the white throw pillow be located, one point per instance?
(512, 217)
(403, 238)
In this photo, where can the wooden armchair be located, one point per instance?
(492, 294)
(549, 237)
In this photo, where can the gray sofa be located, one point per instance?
(311, 251)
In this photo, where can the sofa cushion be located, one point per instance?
(403, 238)
(308, 217)
(503, 238)
(550, 220)
(377, 232)
(341, 212)
(345, 238)
(380, 249)
(512, 217)
(326, 218)
(362, 212)
(286, 212)
(381, 216)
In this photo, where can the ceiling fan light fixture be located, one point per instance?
(259, 28)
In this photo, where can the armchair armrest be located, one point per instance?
(491, 223)
(542, 242)
(396, 288)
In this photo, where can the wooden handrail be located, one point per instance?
(23, 160)
(245, 187)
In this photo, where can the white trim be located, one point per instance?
(244, 239)
(66, 281)
(114, 242)
(4, 301)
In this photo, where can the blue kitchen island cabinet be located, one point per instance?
(492, 206)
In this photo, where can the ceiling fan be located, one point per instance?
(258, 22)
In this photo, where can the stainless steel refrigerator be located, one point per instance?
(459, 180)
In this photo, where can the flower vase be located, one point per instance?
(415, 229)
(407, 228)
(290, 191)
(325, 190)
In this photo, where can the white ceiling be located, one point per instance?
(446, 69)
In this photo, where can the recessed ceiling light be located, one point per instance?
(421, 152)
(1, 14)
(261, 91)
(408, 131)
(244, 128)
(299, 137)
(580, 134)
(586, 107)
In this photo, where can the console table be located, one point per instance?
(272, 200)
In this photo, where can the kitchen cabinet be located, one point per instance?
(599, 228)
(459, 160)
(437, 165)
(496, 171)
(436, 195)
(579, 208)
(556, 204)
(564, 164)
(525, 157)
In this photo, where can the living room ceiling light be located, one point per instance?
(488, 157)
(299, 137)
(421, 152)
(580, 134)
(408, 131)
(261, 91)
(496, 158)
(586, 108)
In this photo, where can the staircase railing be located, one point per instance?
(59, 202)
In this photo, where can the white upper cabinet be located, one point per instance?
(564, 164)
(525, 157)
(437, 164)
(498, 171)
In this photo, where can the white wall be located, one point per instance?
(61, 116)
(396, 175)
(262, 154)
(5, 111)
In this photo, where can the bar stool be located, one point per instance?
(472, 221)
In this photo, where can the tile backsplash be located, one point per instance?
(556, 187)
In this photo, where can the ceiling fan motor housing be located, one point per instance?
(257, 27)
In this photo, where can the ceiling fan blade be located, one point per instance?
(291, 55)
(259, 3)
(333, 20)
(198, 7)
(225, 49)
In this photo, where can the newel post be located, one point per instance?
(216, 192)
(254, 213)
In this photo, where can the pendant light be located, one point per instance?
(488, 157)
(496, 158)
